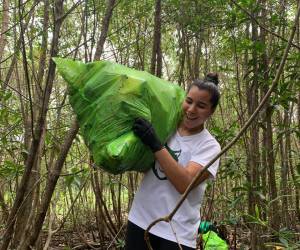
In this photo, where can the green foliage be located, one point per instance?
(67, 248)
(120, 243)
(297, 176)
(285, 95)
(10, 170)
(286, 236)
(232, 167)
(225, 136)
(287, 240)
(76, 176)
(256, 218)
(5, 95)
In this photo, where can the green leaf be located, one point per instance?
(257, 211)
(7, 95)
(239, 189)
(10, 169)
(120, 243)
(284, 241)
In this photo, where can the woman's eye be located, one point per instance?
(188, 101)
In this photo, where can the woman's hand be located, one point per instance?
(145, 131)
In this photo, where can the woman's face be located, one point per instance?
(197, 108)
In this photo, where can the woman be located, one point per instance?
(185, 154)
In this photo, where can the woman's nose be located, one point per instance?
(191, 108)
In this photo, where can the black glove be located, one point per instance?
(144, 130)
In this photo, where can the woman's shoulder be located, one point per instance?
(208, 139)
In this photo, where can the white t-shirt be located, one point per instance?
(157, 197)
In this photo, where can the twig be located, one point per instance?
(174, 232)
(26, 72)
(169, 217)
(114, 239)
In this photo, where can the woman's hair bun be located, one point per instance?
(212, 77)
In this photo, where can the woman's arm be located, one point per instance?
(179, 176)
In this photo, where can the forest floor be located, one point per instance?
(75, 240)
(70, 240)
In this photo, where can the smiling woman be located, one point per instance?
(163, 185)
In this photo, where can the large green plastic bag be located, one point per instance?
(106, 98)
(211, 241)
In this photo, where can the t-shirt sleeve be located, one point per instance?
(204, 153)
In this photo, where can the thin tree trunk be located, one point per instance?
(268, 134)
(264, 89)
(26, 210)
(4, 26)
(182, 56)
(104, 29)
(297, 191)
(197, 55)
(253, 157)
(44, 46)
(284, 172)
(156, 59)
(119, 211)
(296, 184)
(3, 207)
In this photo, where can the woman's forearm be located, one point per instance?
(179, 176)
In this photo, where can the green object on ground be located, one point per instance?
(211, 241)
(107, 97)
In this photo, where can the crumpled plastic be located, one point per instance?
(107, 98)
(211, 241)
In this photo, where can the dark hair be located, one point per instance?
(210, 84)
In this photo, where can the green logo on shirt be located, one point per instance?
(158, 172)
(174, 153)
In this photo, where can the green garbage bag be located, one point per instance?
(107, 97)
(211, 241)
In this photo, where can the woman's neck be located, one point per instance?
(183, 131)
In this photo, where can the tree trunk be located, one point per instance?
(27, 210)
(182, 56)
(3, 207)
(104, 29)
(156, 60)
(284, 171)
(268, 132)
(253, 157)
(3, 30)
